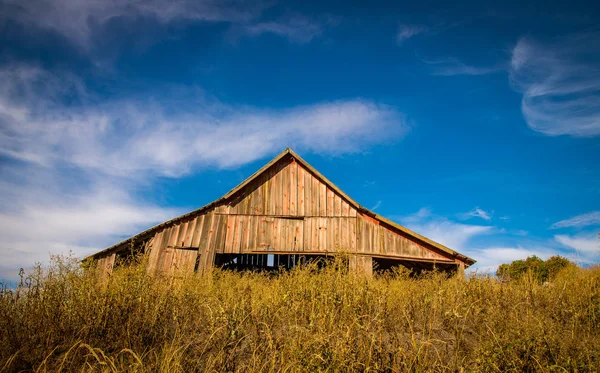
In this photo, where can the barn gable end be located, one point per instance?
(287, 209)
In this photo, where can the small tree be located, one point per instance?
(543, 270)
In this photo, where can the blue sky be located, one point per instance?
(476, 124)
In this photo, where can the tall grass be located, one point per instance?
(63, 318)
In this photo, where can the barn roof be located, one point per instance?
(287, 152)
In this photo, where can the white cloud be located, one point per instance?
(298, 29)
(127, 136)
(376, 206)
(460, 237)
(74, 170)
(587, 246)
(452, 66)
(406, 32)
(583, 220)
(80, 20)
(451, 234)
(477, 212)
(560, 83)
(36, 221)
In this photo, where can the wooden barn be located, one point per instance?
(284, 214)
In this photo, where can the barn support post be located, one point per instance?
(105, 266)
(460, 269)
(362, 265)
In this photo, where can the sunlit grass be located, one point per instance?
(63, 318)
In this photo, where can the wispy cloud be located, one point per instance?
(452, 66)
(477, 212)
(560, 83)
(297, 29)
(467, 238)
(69, 143)
(376, 206)
(35, 222)
(447, 232)
(82, 21)
(406, 31)
(579, 221)
(171, 138)
(586, 246)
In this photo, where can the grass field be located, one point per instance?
(64, 318)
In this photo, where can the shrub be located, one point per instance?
(542, 270)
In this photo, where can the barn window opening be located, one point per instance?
(267, 262)
(383, 266)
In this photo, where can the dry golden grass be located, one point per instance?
(66, 319)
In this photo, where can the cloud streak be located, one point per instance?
(297, 29)
(406, 31)
(579, 221)
(560, 83)
(447, 232)
(452, 66)
(81, 21)
(171, 139)
(477, 212)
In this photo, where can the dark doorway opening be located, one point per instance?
(267, 262)
(382, 266)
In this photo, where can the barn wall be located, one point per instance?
(188, 245)
(285, 209)
(246, 233)
(288, 189)
(374, 237)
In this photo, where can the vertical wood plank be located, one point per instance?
(219, 229)
(259, 195)
(293, 187)
(345, 208)
(315, 198)
(285, 182)
(352, 233)
(229, 233)
(245, 241)
(323, 234)
(236, 235)
(277, 245)
(352, 212)
(306, 234)
(284, 234)
(301, 190)
(307, 193)
(278, 192)
(344, 234)
(174, 235)
(154, 252)
(299, 242)
(337, 205)
(182, 233)
(189, 235)
(198, 231)
(329, 210)
(322, 199)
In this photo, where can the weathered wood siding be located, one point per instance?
(188, 245)
(377, 239)
(288, 189)
(285, 209)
